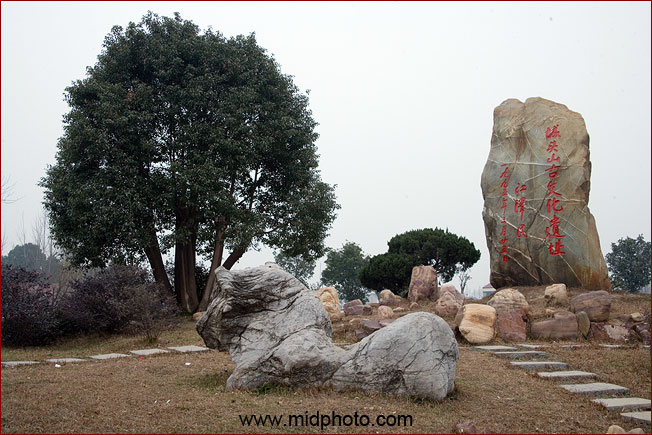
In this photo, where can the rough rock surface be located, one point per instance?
(387, 297)
(276, 331)
(385, 312)
(330, 300)
(617, 333)
(476, 323)
(563, 325)
(583, 323)
(423, 284)
(556, 295)
(449, 302)
(511, 325)
(509, 300)
(597, 332)
(353, 308)
(389, 362)
(597, 305)
(538, 226)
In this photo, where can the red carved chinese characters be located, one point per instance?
(503, 233)
(553, 204)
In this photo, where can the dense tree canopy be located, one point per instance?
(629, 263)
(342, 271)
(185, 139)
(447, 252)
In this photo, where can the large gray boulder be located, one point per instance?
(536, 185)
(276, 331)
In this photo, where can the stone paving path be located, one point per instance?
(638, 408)
(137, 352)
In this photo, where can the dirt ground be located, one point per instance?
(161, 394)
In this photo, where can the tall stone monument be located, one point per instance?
(536, 186)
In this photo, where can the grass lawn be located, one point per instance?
(161, 394)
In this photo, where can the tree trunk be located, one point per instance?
(234, 257)
(218, 252)
(155, 258)
(184, 260)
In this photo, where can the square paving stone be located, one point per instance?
(191, 348)
(65, 360)
(537, 365)
(624, 403)
(533, 346)
(494, 348)
(639, 417)
(18, 363)
(566, 374)
(595, 388)
(520, 354)
(145, 352)
(108, 356)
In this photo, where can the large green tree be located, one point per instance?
(184, 139)
(442, 249)
(629, 263)
(342, 271)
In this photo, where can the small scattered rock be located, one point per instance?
(477, 323)
(385, 322)
(423, 284)
(617, 333)
(414, 306)
(637, 317)
(509, 300)
(330, 299)
(583, 323)
(198, 315)
(597, 332)
(615, 429)
(563, 325)
(399, 309)
(367, 310)
(387, 297)
(370, 325)
(466, 427)
(353, 308)
(511, 325)
(556, 295)
(385, 312)
(596, 304)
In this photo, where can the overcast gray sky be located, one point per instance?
(404, 94)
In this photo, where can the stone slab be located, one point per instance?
(571, 346)
(595, 388)
(17, 363)
(520, 354)
(494, 348)
(624, 403)
(611, 346)
(566, 374)
(638, 416)
(65, 360)
(191, 348)
(145, 352)
(533, 346)
(536, 365)
(108, 356)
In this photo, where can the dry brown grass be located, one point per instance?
(162, 395)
